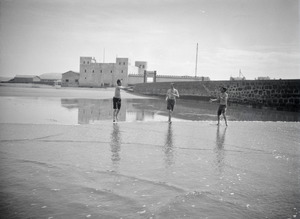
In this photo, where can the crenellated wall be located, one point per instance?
(139, 78)
(277, 94)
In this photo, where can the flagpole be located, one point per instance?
(196, 61)
(104, 55)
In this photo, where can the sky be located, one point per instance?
(259, 37)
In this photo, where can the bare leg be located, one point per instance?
(117, 112)
(224, 115)
(170, 116)
(218, 120)
(114, 115)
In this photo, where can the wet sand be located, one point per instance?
(187, 169)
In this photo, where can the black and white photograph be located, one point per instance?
(149, 109)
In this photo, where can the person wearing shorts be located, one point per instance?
(222, 109)
(222, 98)
(171, 95)
(116, 103)
(170, 104)
(117, 100)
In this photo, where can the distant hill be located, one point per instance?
(51, 76)
(4, 79)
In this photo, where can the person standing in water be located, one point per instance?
(222, 98)
(117, 100)
(171, 95)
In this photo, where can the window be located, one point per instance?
(122, 71)
(84, 70)
(76, 80)
(143, 66)
(120, 63)
(88, 62)
(110, 71)
(67, 80)
(100, 71)
(93, 71)
(123, 63)
(83, 62)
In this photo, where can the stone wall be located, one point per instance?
(277, 94)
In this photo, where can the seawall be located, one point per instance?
(277, 94)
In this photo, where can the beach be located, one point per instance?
(86, 166)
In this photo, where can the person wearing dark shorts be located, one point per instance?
(170, 104)
(116, 103)
(171, 95)
(117, 100)
(222, 109)
(222, 98)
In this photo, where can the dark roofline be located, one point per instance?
(26, 76)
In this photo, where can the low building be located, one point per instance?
(51, 78)
(70, 79)
(263, 78)
(5, 79)
(25, 79)
(237, 78)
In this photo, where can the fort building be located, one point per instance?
(93, 74)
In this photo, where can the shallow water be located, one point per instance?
(148, 169)
(88, 111)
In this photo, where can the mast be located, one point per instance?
(104, 55)
(196, 61)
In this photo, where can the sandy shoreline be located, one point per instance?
(121, 170)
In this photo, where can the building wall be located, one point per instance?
(89, 73)
(122, 68)
(93, 74)
(106, 71)
(135, 79)
(139, 78)
(132, 70)
(278, 94)
(70, 79)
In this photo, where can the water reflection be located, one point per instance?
(91, 110)
(169, 147)
(219, 149)
(115, 146)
